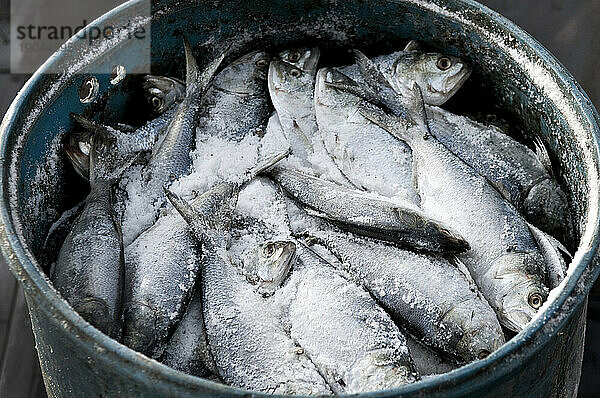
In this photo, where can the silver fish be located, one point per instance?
(427, 294)
(236, 104)
(505, 261)
(318, 294)
(142, 139)
(522, 176)
(89, 269)
(187, 349)
(162, 92)
(352, 340)
(291, 87)
(440, 76)
(170, 157)
(365, 153)
(364, 214)
(249, 345)
(159, 278)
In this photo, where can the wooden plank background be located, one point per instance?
(569, 28)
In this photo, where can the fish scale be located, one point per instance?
(419, 291)
(504, 259)
(346, 334)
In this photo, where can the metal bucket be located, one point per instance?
(513, 71)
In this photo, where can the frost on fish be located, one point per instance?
(352, 340)
(160, 272)
(427, 294)
(515, 170)
(247, 339)
(504, 259)
(187, 349)
(365, 153)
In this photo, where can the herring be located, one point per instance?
(359, 212)
(239, 91)
(249, 345)
(439, 75)
(426, 294)
(159, 278)
(522, 176)
(379, 360)
(365, 153)
(291, 87)
(89, 270)
(505, 261)
(352, 340)
(170, 157)
(162, 92)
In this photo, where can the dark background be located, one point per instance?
(568, 28)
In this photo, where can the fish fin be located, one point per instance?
(162, 83)
(316, 213)
(354, 88)
(500, 188)
(108, 133)
(104, 164)
(191, 66)
(552, 251)
(412, 45)
(555, 242)
(205, 78)
(267, 163)
(182, 206)
(370, 72)
(393, 125)
(463, 269)
(542, 154)
(417, 108)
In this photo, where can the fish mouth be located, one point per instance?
(457, 81)
(516, 319)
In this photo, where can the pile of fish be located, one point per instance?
(287, 227)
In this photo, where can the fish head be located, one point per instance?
(288, 82)
(520, 289)
(439, 76)
(246, 75)
(77, 147)
(302, 58)
(162, 92)
(269, 265)
(481, 333)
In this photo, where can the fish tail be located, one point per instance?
(267, 163)
(196, 79)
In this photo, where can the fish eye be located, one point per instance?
(482, 354)
(296, 72)
(444, 63)
(261, 63)
(535, 300)
(269, 250)
(294, 56)
(156, 102)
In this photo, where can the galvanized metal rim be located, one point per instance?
(16, 253)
